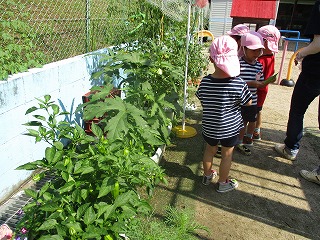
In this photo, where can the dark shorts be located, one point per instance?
(226, 142)
(259, 109)
(249, 113)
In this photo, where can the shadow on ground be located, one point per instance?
(272, 200)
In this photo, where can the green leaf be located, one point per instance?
(47, 196)
(89, 216)
(67, 187)
(96, 130)
(38, 176)
(106, 187)
(48, 224)
(84, 194)
(30, 166)
(123, 198)
(31, 193)
(32, 133)
(40, 117)
(30, 110)
(55, 109)
(81, 210)
(103, 207)
(87, 170)
(33, 124)
(93, 232)
(57, 156)
(58, 145)
(50, 153)
(75, 225)
(61, 230)
(116, 126)
(47, 98)
(50, 207)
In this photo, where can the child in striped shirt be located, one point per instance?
(221, 95)
(251, 71)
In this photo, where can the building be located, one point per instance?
(285, 14)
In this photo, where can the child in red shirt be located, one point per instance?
(271, 36)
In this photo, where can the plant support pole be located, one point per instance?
(186, 70)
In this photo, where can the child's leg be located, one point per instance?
(208, 155)
(250, 129)
(240, 146)
(259, 120)
(243, 131)
(256, 134)
(225, 164)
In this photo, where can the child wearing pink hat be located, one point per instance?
(221, 95)
(271, 36)
(236, 32)
(251, 71)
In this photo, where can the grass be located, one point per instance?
(177, 224)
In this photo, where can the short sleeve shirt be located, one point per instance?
(248, 73)
(221, 100)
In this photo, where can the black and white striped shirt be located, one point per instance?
(221, 100)
(248, 73)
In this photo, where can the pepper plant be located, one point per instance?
(151, 83)
(97, 182)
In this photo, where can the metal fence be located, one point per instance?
(65, 28)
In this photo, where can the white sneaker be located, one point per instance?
(207, 179)
(286, 152)
(311, 176)
(227, 186)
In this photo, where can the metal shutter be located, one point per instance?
(220, 21)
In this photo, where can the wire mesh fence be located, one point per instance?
(37, 32)
(62, 29)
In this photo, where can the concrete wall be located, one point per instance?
(66, 81)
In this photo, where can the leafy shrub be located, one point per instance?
(97, 181)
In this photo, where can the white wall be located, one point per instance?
(66, 81)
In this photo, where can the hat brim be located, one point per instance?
(255, 47)
(273, 47)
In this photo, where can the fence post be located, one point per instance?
(87, 25)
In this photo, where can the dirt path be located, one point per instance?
(272, 201)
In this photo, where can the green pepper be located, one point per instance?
(116, 190)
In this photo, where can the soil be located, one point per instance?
(272, 201)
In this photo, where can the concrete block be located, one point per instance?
(12, 123)
(12, 94)
(71, 70)
(42, 82)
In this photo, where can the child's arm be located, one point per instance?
(249, 103)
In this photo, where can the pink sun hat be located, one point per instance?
(239, 30)
(252, 40)
(272, 35)
(224, 53)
